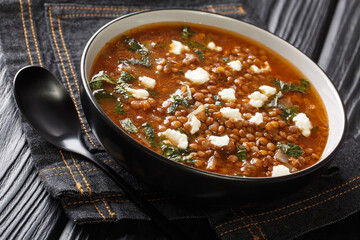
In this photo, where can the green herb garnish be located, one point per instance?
(290, 149)
(283, 86)
(217, 100)
(122, 88)
(145, 61)
(136, 46)
(200, 55)
(153, 93)
(241, 153)
(315, 129)
(96, 81)
(275, 100)
(119, 107)
(288, 113)
(226, 59)
(177, 101)
(103, 94)
(185, 36)
(176, 154)
(150, 134)
(186, 33)
(126, 77)
(128, 125)
(189, 94)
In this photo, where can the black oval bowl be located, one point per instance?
(185, 181)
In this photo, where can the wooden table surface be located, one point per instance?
(328, 31)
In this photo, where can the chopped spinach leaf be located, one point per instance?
(283, 86)
(103, 94)
(193, 44)
(186, 33)
(200, 55)
(189, 94)
(128, 125)
(145, 61)
(177, 101)
(122, 88)
(226, 59)
(288, 112)
(176, 154)
(150, 134)
(136, 46)
(275, 100)
(290, 149)
(181, 72)
(96, 81)
(217, 101)
(119, 107)
(126, 77)
(239, 175)
(153, 93)
(315, 129)
(241, 153)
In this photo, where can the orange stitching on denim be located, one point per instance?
(33, 34)
(241, 10)
(294, 212)
(82, 175)
(100, 8)
(78, 185)
(108, 208)
(98, 210)
(294, 204)
(117, 200)
(249, 229)
(258, 228)
(25, 33)
(91, 15)
(82, 164)
(67, 79)
(212, 8)
(230, 12)
(64, 173)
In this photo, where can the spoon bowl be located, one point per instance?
(48, 108)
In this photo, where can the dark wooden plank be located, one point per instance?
(302, 23)
(340, 59)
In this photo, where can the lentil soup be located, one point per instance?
(211, 99)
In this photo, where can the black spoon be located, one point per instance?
(47, 106)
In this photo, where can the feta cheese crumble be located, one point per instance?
(197, 76)
(257, 99)
(231, 113)
(280, 170)
(257, 118)
(235, 65)
(139, 93)
(227, 94)
(267, 90)
(212, 46)
(147, 82)
(177, 47)
(195, 124)
(255, 69)
(219, 141)
(302, 122)
(176, 138)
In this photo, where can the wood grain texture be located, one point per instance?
(326, 30)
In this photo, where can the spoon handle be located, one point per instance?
(162, 222)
